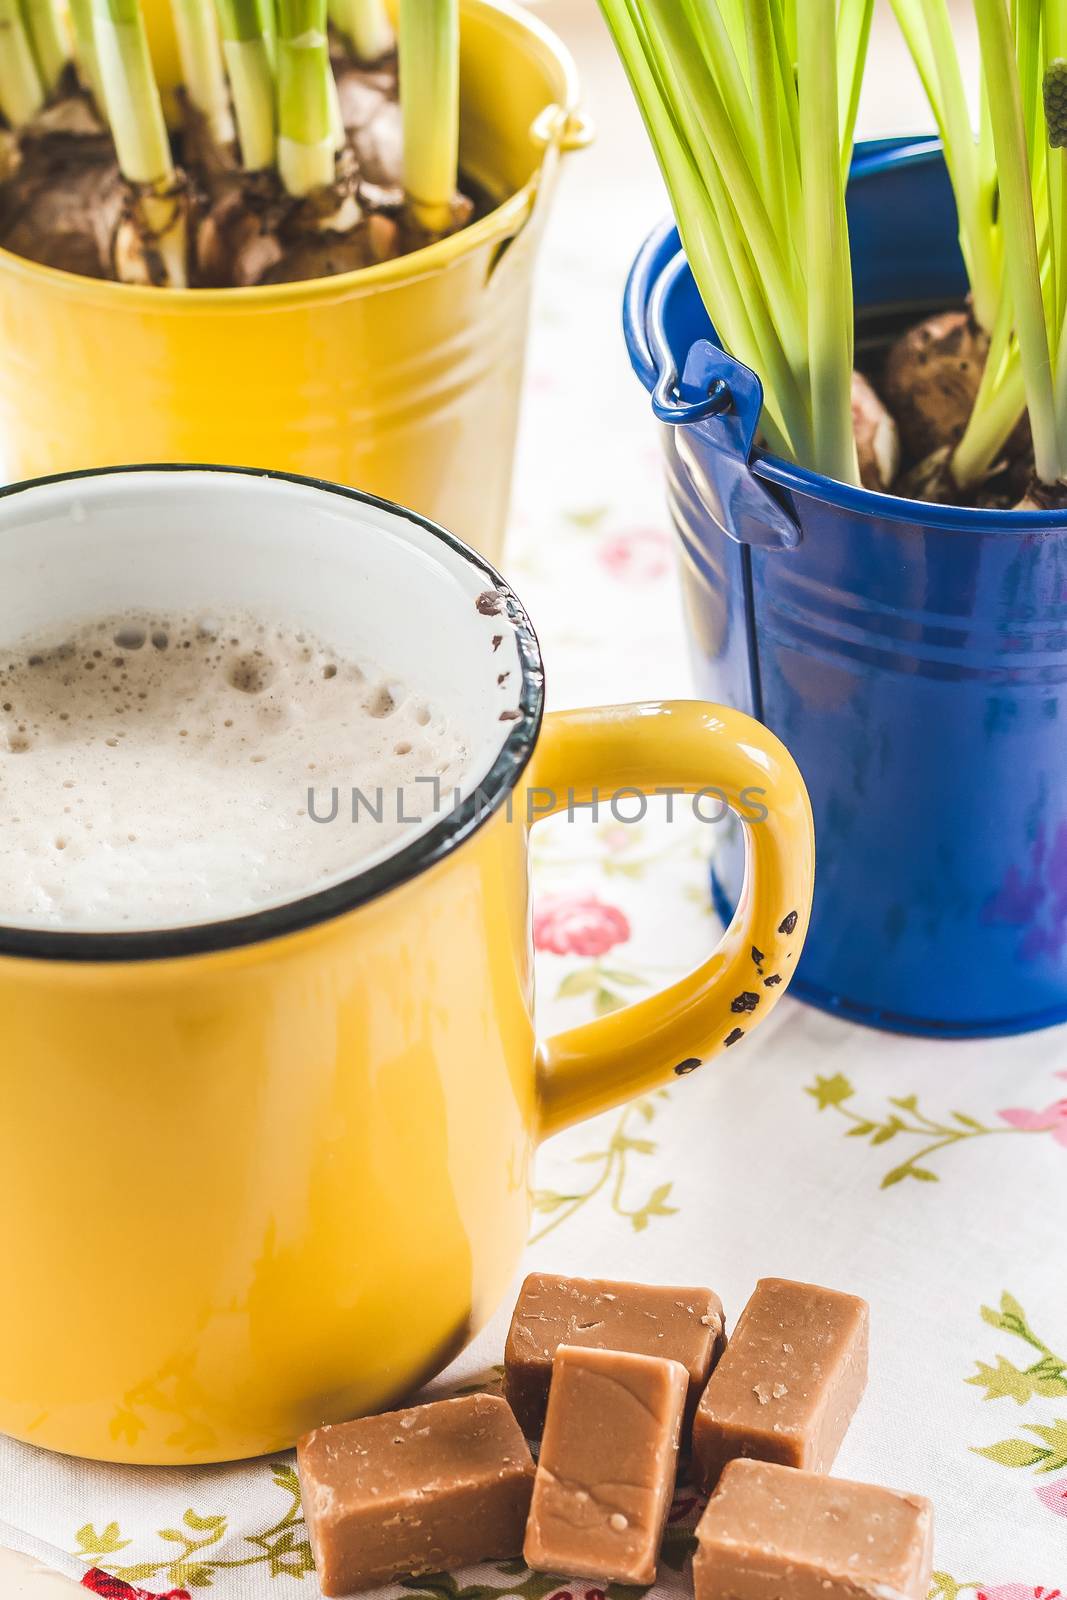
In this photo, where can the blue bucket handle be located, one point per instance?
(716, 407)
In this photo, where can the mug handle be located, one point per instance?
(684, 747)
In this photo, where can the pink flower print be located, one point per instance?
(1019, 1591)
(636, 555)
(1052, 1120)
(578, 925)
(1054, 1496)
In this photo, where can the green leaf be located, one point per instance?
(657, 1201)
(830, 1091)
(907, 1170)
(580, 982)
(614, 868)
(645, 1108)
(625, 978)
(860, 1130)
(1011, 1317)
(606, 1002)
(887, 1131)
(143, 1569)
(216, 1525)
(1056, 1438)
(300, 1564)
(285, 1477)
(643, 1147)
(546, 1201)
(905, 1102)
(193, 1574)
(175, 1535)
(639, 1221)
(1003, 1382)
(969, 1122)
(1013, 1453)
(586, 517)
(101, 1544)
(281, 1541)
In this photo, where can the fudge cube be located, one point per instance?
(409, 1492)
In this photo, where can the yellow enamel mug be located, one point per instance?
(403, 377)
(271, 1171)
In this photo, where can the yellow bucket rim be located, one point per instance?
(561, 123)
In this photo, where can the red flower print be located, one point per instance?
(1054, 1496)
(103, 1583)
(578, 925)
(636, 555)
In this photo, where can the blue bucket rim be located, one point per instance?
(641, 304)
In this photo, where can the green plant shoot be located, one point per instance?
(751, 109)
(429, 93)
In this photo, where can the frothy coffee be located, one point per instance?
(155, 771)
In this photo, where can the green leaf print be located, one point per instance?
(1006, 1381)
(580, 982)
(216, 1525)
(611, 1176)
(586, 518)
(282, 1549)
(905, 1121)
(944, 1587)
(104, 1543)
(1013, 1453)
(831, 1091)
(1044, 1379)
(1055, 1438)
(606, 985)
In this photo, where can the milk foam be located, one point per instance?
(155, 771)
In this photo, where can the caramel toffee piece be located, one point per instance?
(683, 1325)
(770, 1531)
(606, 1472)
(422, 1490)
(792, 1376)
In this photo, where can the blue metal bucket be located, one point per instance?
(912, 657)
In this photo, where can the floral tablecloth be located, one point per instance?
(929, 1177)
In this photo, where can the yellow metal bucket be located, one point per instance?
(402, 379)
